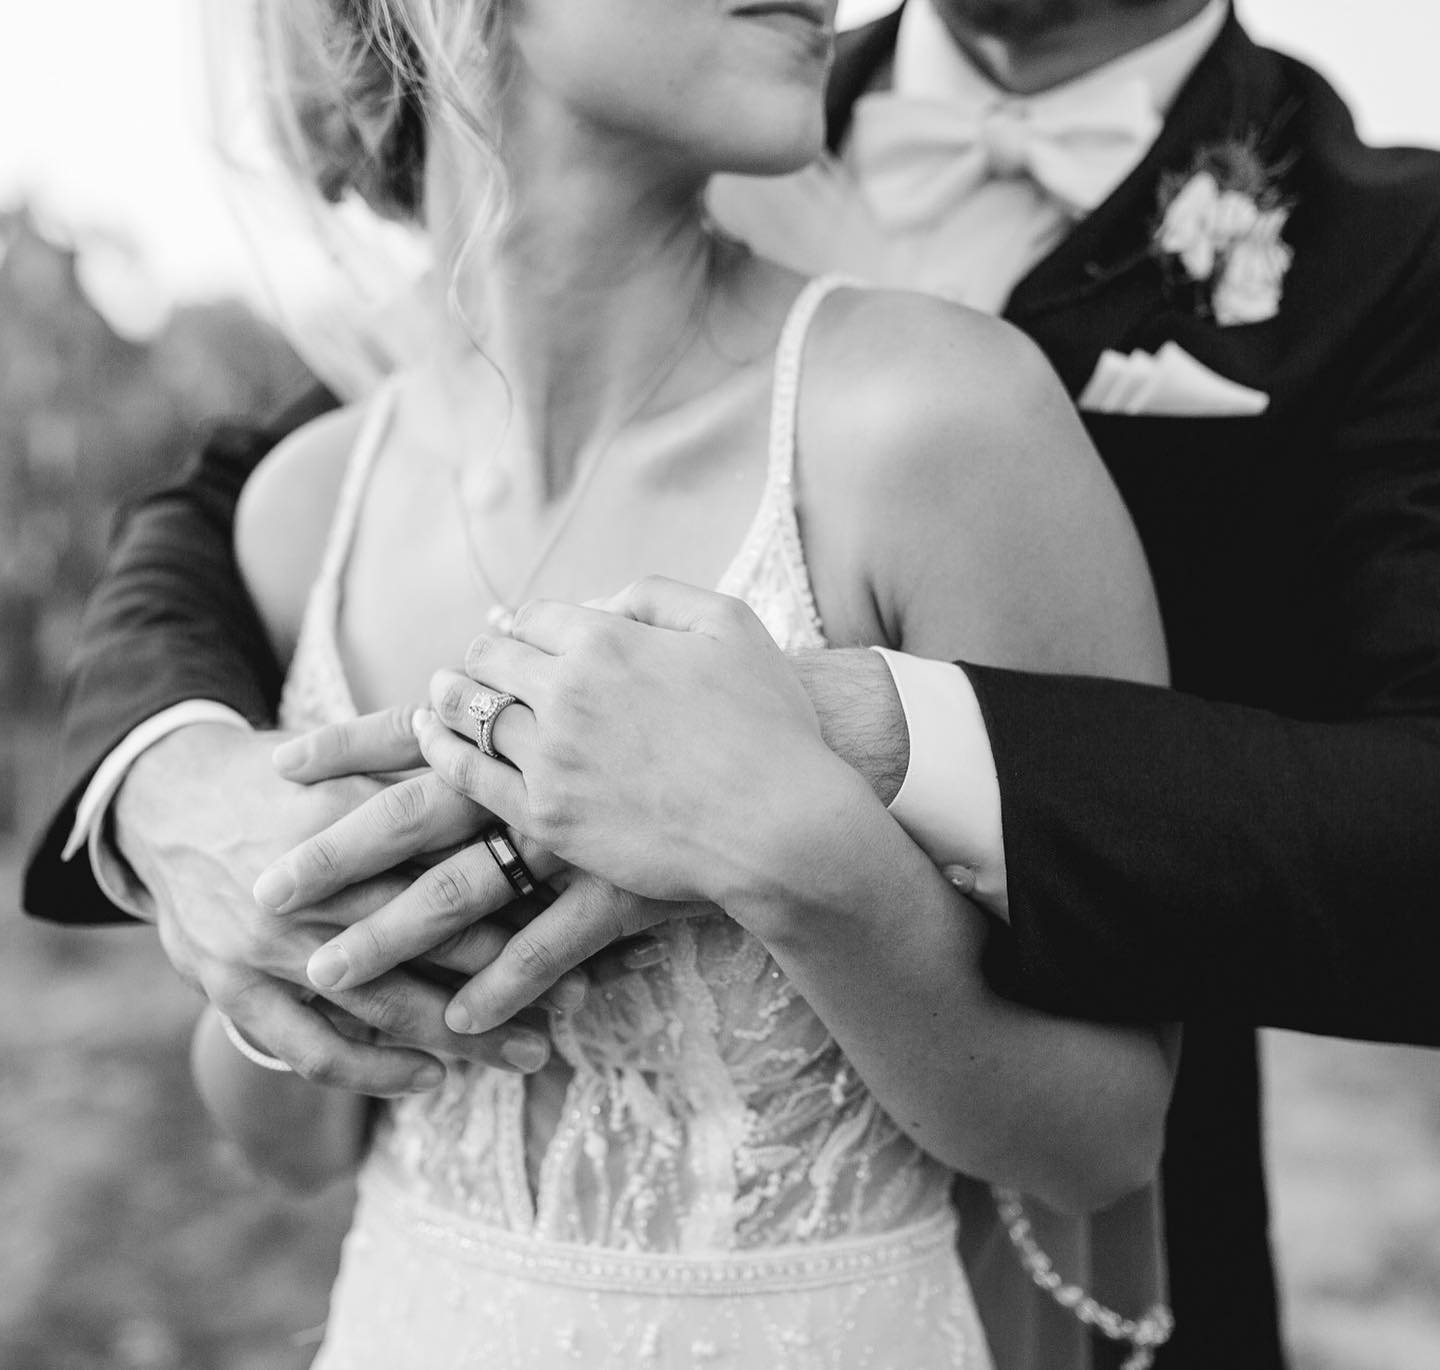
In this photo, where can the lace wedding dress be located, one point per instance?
(718, 1189)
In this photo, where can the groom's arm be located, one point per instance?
(1166, 855)
(170, 622)
(1171, 857)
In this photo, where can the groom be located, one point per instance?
(1257, 847)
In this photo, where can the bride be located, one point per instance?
(698, 1173)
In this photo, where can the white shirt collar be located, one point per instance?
(930, 65)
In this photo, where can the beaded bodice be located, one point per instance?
(704, 1106)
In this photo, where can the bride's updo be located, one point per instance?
(356, 89)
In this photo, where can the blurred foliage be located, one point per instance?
(132, 1237)
(89, 419)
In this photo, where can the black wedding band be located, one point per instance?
(512, 865)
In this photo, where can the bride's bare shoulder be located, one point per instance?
(943, 390)
(284, 515)
(964, 493)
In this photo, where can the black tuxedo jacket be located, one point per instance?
(1257, 846)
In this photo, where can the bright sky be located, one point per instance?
(102, 113)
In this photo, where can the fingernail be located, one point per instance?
(420, 721)
(328, 966)
(526, 1051)
(427, 1077)
(568, 995)
(274, 887)
(647, 953)
(288, 756)
(458, 1018)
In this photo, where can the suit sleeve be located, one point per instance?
(170, 621)
(1174, 858)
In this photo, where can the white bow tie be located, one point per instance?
(917, 159)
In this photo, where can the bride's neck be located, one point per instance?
(600, 275)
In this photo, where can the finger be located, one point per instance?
(400, 823)
(369, 745)
(472, 949)
(439, 903)
(270, 1017)
(664, 603)
(410, 1009)
(464, 767)
(587, 917)
(512, 734)
(625, 957)
(555, 627)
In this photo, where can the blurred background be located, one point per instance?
(131, 316)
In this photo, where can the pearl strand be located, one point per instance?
(1144, 1333)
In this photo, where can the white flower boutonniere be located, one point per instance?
(1221, 224)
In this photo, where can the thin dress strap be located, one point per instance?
(316, 687)
(785, 399)
(774, 538)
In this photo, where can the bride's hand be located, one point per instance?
(662, 741)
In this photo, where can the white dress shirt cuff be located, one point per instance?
(112, 873)
(949, 801)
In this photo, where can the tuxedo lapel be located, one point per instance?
(1233, 93)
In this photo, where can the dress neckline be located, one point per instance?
(771, 545)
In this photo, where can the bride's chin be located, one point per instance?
(774, 155)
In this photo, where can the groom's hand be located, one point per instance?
(199, 816)
(459, 911)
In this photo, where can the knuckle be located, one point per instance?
(476, 652)
(400, 808)
(400, 722)
(331, 744)
(387, 1008)
(569, 691)
(226, 988)
(255, 940)
(608, 910)
(447, 889)
(464, 771)
(319, 1064)
(628, 912)
(525, 616)
(548, 816)
(534, 958)
(322, 855)
(366, 944)
(454, 698)
(470, 950)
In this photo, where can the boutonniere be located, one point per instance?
(1220, 224)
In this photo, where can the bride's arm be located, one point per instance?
(299, 1132)
(989, 531)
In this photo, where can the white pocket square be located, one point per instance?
(1171, 383)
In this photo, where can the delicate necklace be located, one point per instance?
(500, 617)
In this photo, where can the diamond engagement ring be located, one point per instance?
(485, 708)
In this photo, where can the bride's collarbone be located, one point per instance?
(677, 503)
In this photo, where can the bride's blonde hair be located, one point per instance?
(357, 89)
